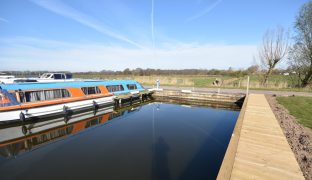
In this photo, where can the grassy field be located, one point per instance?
(299, 107)
(276, 82)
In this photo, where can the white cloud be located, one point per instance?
(37, 54)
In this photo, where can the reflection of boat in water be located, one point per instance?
(21, 130)
(22, 138)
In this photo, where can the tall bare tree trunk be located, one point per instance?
(273, 50)
(266, 76)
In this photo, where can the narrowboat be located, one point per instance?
(19, 102)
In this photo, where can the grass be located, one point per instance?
(300, 107)
(276, 82)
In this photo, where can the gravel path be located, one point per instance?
(299, 137)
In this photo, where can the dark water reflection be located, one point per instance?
(160, 162)
(155, 141)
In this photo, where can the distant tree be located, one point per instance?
(300, 58)
(272, 51)
(127, 71)
(252, 69)
(138, 71)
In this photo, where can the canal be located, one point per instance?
(156, 140)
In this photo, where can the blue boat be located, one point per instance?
(28, 100)
(115, 87)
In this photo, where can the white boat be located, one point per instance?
(55, 77)
(46, 77)
(19, 102)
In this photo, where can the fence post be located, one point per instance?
(157, 84)
(247, 89)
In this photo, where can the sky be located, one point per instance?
(93, 35)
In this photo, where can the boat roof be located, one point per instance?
(74, 84)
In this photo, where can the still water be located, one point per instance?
(153, 141)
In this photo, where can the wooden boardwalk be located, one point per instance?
(262, 150)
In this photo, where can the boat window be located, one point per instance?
(114, 88)
(91, 90)
(93, 122)
(57, 76)
(2, 97)
(45, 75)
(69, 76)
(33, 96)
(132, 86)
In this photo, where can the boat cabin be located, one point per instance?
(56, 76)
(118, 87)
(27, 100)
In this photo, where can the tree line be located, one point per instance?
(254, 69)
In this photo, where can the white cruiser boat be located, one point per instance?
(46, 77)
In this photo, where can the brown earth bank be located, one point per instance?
(298, 136)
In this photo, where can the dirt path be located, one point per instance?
(298, 137)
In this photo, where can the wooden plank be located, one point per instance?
(263, 151)
(229, 157)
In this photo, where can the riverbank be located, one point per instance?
(235, 91)
(299, 137)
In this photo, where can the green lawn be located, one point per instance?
(300, 107)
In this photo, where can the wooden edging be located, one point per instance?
(225, 170)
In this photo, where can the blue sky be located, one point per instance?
(93, 35)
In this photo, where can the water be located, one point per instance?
(154, 141)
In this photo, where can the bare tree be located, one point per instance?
(301, 53)
(273, 49)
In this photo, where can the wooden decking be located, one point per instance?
(262, 150)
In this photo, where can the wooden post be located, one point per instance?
(247, 90)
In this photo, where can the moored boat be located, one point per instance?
(22, 101)
(38, 100)
(46, 77)
(126, 91)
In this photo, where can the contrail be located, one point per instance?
(204, 12)
(3, 20)
(152, 24)
(71, 13)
